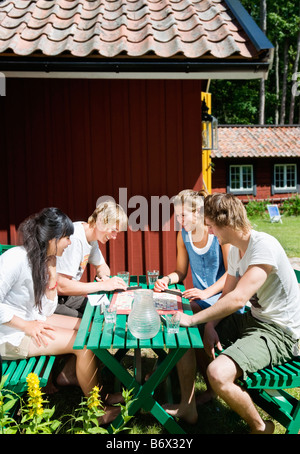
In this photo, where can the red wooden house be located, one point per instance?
(257, 162)
(103, 95)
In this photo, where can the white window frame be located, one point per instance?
(285, 187)
(241, 189)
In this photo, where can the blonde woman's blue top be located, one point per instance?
(207, 265)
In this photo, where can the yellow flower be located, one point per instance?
(35, 401)
(93, 400)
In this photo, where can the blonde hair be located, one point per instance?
(109, 213)
(190, 199)
(226, 210)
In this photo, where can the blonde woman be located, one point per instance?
(195, 246)
(103, 225)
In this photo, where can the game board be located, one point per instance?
(165, 303)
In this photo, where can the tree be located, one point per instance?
(294, 77)
(271, 102)
(262, 98)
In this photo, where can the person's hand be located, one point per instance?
(160, 285)
(194, 294)
(39, 331)
(211, 340)
(114, 283)
(186, 320)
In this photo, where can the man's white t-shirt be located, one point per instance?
(78, 254)
(279, 296)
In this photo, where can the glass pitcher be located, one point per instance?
(143, 320)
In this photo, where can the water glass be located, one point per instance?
(152, 276)
(173, 322)
(110, 314)
(125, 276)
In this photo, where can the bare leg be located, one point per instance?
(86, 362)
(222, 373)
(68, 374)
(186, 409)
(195, 307)
(202, 364)
(86, 366)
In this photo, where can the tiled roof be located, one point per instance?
(258, 142)
(134, 28)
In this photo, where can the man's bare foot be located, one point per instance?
(67, 375)
(110, 415)
(67, 379)
(268, 429)
(183, 412)
(112, 399)
(62, 379)
(205, 397)
(50, 388)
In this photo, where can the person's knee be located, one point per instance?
(214, 374)
(222, 372)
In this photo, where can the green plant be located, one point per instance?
(36, 419)
(87, 421)
(291, 206)
(257, 208)
(7, 401)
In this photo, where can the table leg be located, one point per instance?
(143, 395)
(117, 369)
(138, 365)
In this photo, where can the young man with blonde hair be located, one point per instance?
(258, 270)
(103, 225)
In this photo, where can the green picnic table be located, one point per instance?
(104, 339)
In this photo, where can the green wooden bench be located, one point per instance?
(268, 389)
(16, 371)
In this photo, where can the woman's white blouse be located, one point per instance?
(17, 295)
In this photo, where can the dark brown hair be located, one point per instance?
(36, 232)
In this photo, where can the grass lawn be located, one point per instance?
(287, 232)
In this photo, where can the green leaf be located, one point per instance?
(8, 405)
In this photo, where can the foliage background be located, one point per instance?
(237, 101)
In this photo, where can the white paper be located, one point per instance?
(97, 300)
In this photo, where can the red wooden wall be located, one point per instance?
(67, 142)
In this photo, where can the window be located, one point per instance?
(285, 177)
(241, 179)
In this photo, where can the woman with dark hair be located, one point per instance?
(28, 299)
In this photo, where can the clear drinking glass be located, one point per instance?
(110, 314)
(173, 322)
(152, 276)
(125, 276)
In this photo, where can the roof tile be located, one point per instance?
(134, 27)
(258, 141)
